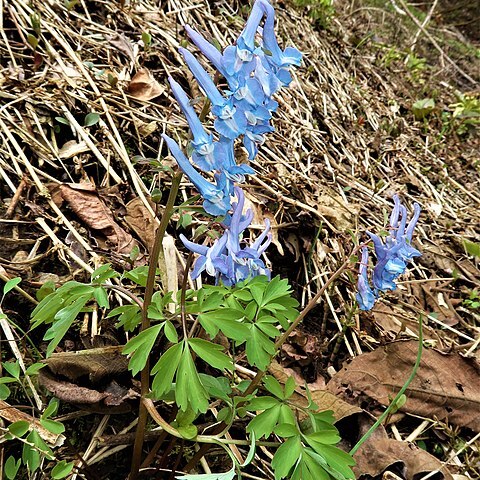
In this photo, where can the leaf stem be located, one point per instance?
(183, 312)
(150, 286)
(399, 394)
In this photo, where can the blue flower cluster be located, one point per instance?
(226, 260)
(392, 256)
(255, 68)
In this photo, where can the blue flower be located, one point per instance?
(365, 296)
(231, 121)
(226, 259)
(216, 197)
(393, 255)
(235, 173)
(290, 56)
(206, 152)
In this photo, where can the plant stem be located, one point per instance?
(150, 286)
(399, 394)
(311, 304)
(182, 296)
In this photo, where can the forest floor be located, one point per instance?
(387, 101)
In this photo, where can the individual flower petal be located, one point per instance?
(203, 79)
(291, 56)
(216, 198)
(365, 296)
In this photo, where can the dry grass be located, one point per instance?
(345, 141)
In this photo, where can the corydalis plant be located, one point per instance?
(255, 68)
(393, 255)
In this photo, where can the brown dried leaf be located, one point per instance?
(143, 86)
(72, 148)
(446, 385)
(122, 44)
(140, 220)
(95, 369)
(69, 392)
(95, 363)
(410, 462)
(83, 199)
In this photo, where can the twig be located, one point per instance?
(434, 43)
(145, 374)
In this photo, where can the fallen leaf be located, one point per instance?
(87, 378)
(375, 457)
(139, 219)
(83, 199)
(72, 148)
(446, 386)
(122, 44)
(95, 363)
(143, 86)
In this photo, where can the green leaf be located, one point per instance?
(146, 39)
(30, 455)
(289, 387)
(170, 332)
(273, 386)
(318, 461)
(190, 393)
(19, 429)
(335, 458)
(224, 415)
(101, 297)
(61, 469)
(91, 119)
(259, 348)
(51, 409)
(243, 295)
(140, 346)
(251, 451)
(286, 415)
(188, 431)
(63, 321)
(286, 430)
(422, 108)
(4, 392)
(218, 387)
(11, 467)
(129, 316)
(138, 275)
(257, 292)
(164, 370)
(52, 426)
(34, 368)
(32, 41)
(11, 284)
(212, 353)
(226, 320)
(326, 436)
(264, 423)
(261, 403)
(230, 475)
(13, 368)
(62, 120)
(103, 273)
(471, 248)
(286, 456)
(46, 289)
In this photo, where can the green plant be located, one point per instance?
(321, 11)
(473, 300)
(466, 113)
